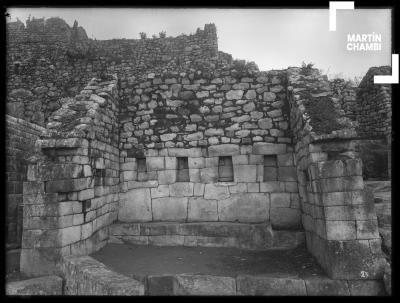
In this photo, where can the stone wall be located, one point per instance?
(71, 195)
(20, 141)
(339, 221)
(48, 60)
(233, 111)
(374, 110)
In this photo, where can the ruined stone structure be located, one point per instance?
(169, 141)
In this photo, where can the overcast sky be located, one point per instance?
(272, 38)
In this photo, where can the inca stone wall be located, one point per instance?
(47, 60)
(71, 196)
(339, 221)
(374, 105)
(172, 130)
(20, 141)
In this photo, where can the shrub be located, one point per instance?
(142, 35)
(163, 34)
(306, 69)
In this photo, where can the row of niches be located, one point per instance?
(225, 169)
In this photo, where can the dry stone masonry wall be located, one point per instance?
(71, 196)
(20, 141)
(173, 130)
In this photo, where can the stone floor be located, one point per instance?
(139, 261)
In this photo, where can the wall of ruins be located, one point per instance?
(374, 105)
(20, 141)
(175, 130)
(71, 196)
(339, 221)
(48, 60)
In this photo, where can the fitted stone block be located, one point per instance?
(280, 200)
(209, 174)
(223, 150)
(160, 191)
(341, 230)
(213, 191)
(155, 163)
(246, 207)
(285, 218)
(202, 210)
(181, 189)
(166, 176)
(204, 285)
(270, 286)
(170, 209)
(135, 206)
(261, 148)
(245, 173)
(42, 286)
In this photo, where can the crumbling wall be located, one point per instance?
(50, 60)
(202, 115)
(374, 112)
(339, 221)
(71, 195)
(20, 141)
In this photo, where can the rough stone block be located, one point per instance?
(213, 191)
(202, 210)
(245, 173)
(170, 209)
(43, 286)
(238, 188)
(223, 150)
(262, 148)
(204, 285)
(181, 189)
(135, 205)
(270, 286)
(367, 229)
(246, 207)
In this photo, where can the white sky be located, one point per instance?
(272, 38)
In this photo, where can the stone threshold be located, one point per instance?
(87, 276)
(256, 236)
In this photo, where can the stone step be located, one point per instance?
(206, 234)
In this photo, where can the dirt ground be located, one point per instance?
(141, 261)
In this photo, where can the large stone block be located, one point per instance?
(245, 173)
(285, 218)
(181, 189)
(326, 287)
(246, 207)
(280, 200)
(167, 176)
(341, 230)
(204, 285)
(209, 174)
(270, 286)
(202, 210)
(263, 148)
(213, 191)
(170, 209)
(135, 205)
(155, 163)
(43, 286)
(223, 150)
(160, 191)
